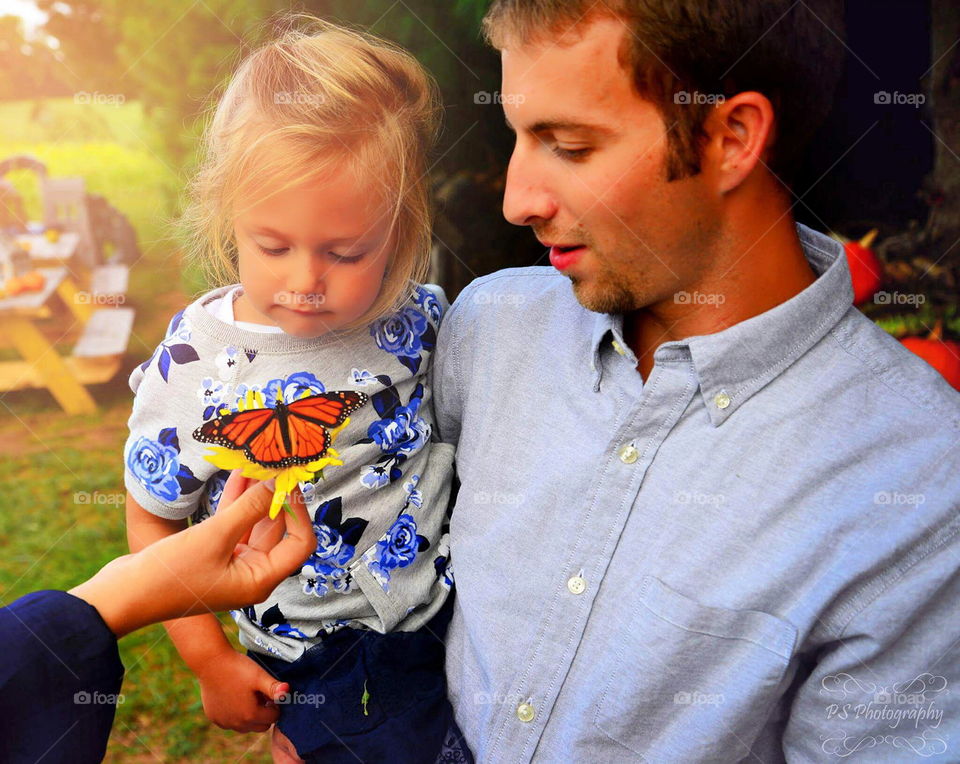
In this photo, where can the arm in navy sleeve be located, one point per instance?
(60, 675)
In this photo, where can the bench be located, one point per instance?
(105, 334)
(109, 281)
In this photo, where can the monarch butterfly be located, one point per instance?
(291, 433)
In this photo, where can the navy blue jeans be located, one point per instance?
(373, 697)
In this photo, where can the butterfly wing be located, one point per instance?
(235, 429)
(328, 409)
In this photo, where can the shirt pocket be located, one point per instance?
(397, 573)
(692, 682)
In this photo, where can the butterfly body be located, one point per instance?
(287, 434)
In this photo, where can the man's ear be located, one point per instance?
(739, 132)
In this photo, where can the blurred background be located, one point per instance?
(101, 104)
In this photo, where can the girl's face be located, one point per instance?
(312, 257)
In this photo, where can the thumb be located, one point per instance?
(240, 516)
(272, 688)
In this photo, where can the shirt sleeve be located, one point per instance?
(60, 676)
(164, 465)
(444, 376)
(889, 687)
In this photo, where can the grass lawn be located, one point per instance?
(61, 488)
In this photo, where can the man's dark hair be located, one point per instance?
(684, 53)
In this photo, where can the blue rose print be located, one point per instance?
(273, 621)
(294, 387)
(401, 430)
(397, 548)
(406, 334)
(324, 571)
(174, 347)
(427, 300)
(156, 465)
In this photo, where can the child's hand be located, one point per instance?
(238, 694)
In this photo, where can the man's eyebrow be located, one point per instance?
(552, 125)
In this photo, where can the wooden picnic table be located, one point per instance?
(45, 252)
(96, 357)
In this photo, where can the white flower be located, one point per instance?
(212, 391)
(362, 378)
(227, 361)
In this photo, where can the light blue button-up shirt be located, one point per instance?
(752, 555)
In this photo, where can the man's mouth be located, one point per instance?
(564, 256)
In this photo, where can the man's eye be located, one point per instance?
(571, 154)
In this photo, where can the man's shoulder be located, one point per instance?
(513, 292)
(907, 390)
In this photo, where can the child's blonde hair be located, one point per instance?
(320, 97)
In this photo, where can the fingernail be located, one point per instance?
(271, 483)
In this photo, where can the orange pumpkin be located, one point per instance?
(866, 270)
(33, 281)
(942, 355)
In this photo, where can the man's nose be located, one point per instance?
(526, 198)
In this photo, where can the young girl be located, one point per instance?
(312, 194)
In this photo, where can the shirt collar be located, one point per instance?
(733, 364)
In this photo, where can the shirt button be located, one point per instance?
(722, 400)
(629, 454)
(577, 585)
(618, 347)
(525, 712)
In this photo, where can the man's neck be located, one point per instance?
(758, 270)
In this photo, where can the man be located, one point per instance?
(708, 510)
